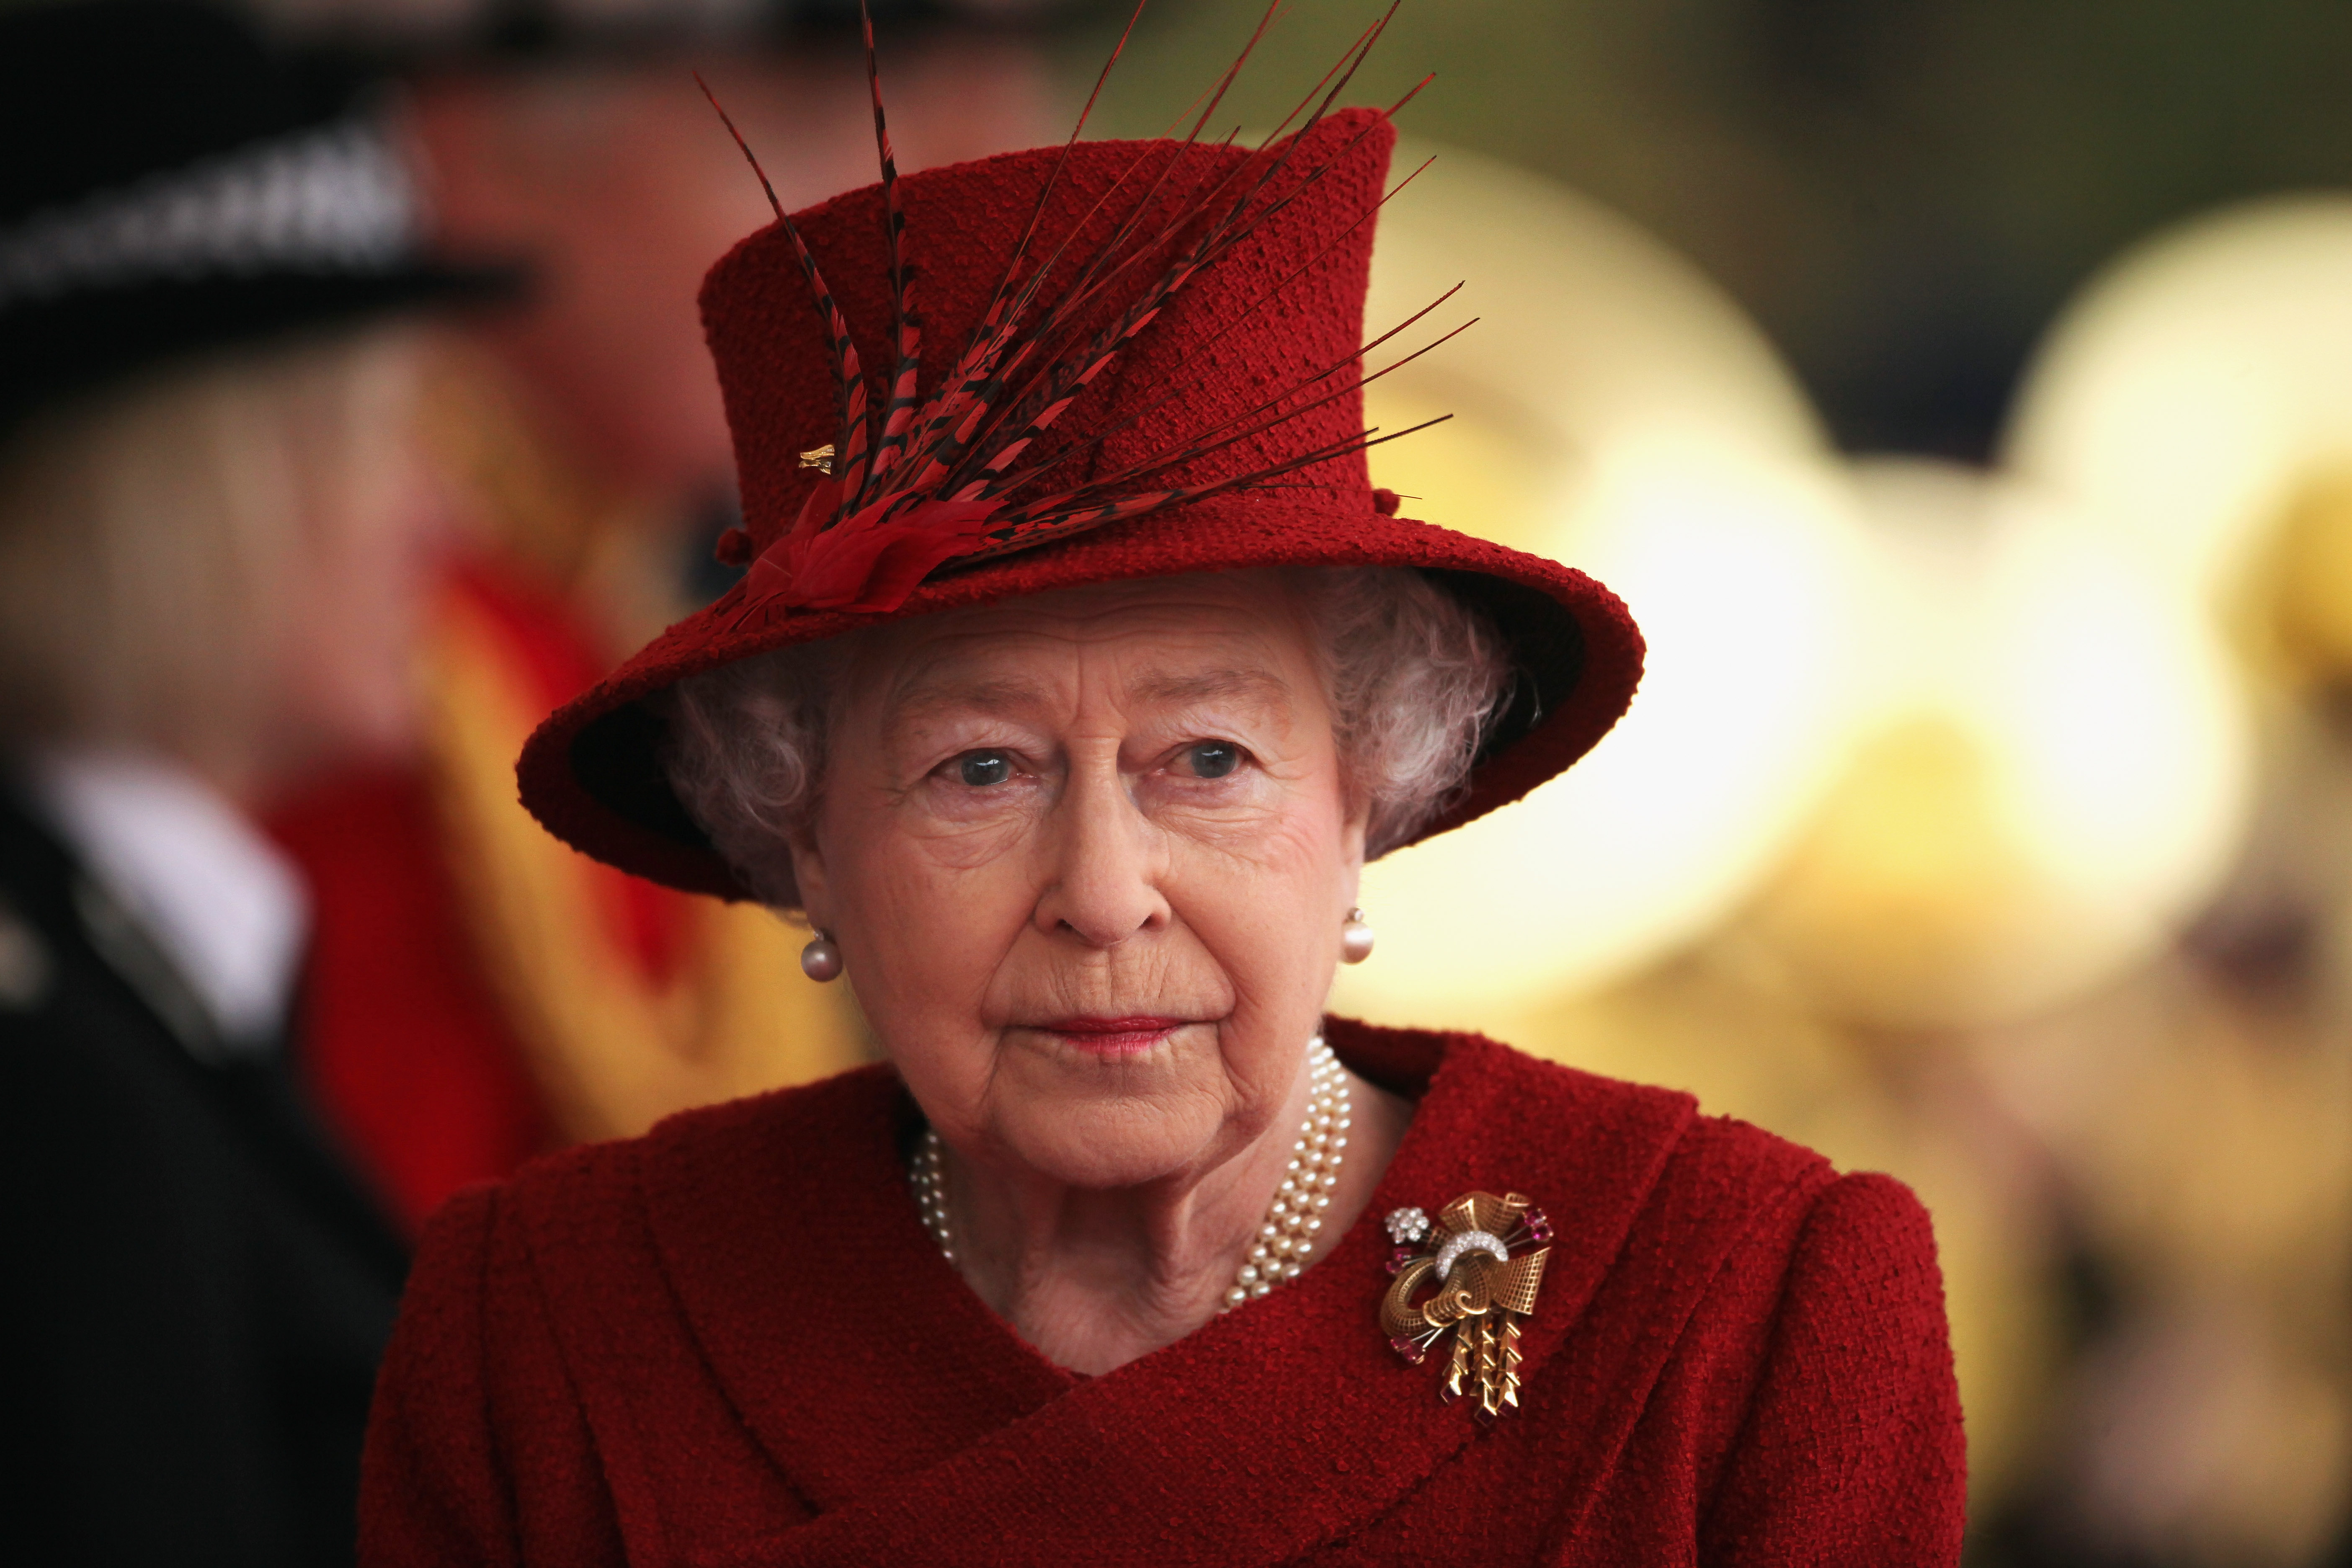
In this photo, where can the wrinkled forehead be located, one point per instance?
(1229, 637)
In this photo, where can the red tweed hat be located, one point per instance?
(1107, 359)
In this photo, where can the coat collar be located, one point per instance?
(893, 1398)
(224, 904)
(58, 919)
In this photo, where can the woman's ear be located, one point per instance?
(1351, 839)
(1351, 852)
(808, 877)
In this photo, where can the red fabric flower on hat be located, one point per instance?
(871, 560)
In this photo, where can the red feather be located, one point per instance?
(898, 413)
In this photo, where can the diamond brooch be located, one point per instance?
(1473, 1274)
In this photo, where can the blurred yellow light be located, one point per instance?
(1613, 411)
(2057, 777)
(2196, 385)
(1589, 329)
(2294, 620)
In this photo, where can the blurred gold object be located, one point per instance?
(2294, 611)
(2054, 778)
(819, 458)
(614, 1051)
(603, 551)
(1902, 900)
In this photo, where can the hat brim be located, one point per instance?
(593, 771)
(66, 347)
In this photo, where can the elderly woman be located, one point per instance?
(1077, 672)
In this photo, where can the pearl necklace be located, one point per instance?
(1286, 1241)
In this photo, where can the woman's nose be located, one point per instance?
(1102, 877)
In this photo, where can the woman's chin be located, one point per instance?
(1093, 1143)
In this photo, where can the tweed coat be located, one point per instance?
(731, 1342)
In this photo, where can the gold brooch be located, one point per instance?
(819, 458)
(1477, 1257)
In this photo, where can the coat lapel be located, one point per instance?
(923, 1429)
(848, 1345)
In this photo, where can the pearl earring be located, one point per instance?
(1355, 939)
(821, 959)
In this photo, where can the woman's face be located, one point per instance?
(376, 536)
(1086, 856)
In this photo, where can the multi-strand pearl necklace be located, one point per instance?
(1293, 1221)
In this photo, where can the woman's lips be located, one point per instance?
(1114, 1037)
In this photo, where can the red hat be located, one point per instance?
(1156, 370)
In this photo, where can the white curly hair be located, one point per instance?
(1413, 676)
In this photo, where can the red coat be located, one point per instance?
(731, 1342)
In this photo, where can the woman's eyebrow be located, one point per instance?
(934, 694)
(928, 697)
(1254, 685)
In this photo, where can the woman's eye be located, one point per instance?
(981, 769)
(1214, 758)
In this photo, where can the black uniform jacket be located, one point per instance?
(197, 1290)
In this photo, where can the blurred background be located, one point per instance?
(1960, 392)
